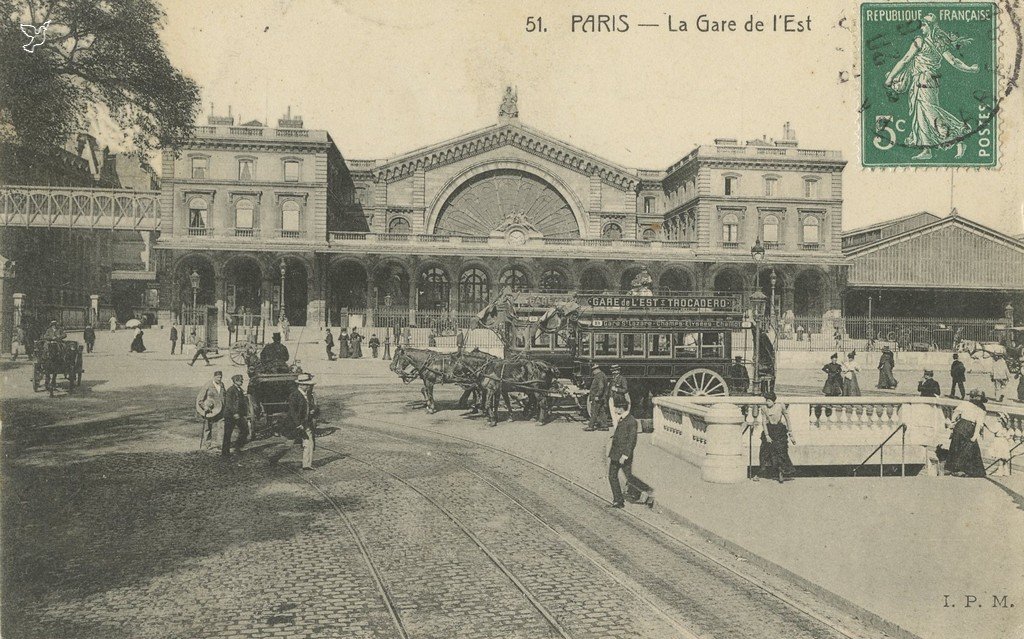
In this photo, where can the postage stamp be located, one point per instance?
(928, 84)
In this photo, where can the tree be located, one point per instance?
(98, 54)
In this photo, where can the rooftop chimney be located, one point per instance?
(214, 120)
(288, 122)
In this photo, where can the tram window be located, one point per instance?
(659, 345)
(521, 338)
(561, 343)
(584, 345)
(712, 345)
(542, 341)
(632, 345)
(687, 345)
(606, 344)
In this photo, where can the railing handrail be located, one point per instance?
(901, 427)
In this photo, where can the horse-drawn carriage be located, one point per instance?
(56, 357)
(268, 400)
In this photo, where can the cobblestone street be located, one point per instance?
(115, 526)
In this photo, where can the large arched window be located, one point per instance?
(811, 230)
(290, 222)
(243, 215)
(434, 289)
(612, 232)
(198, 212)
(553, 281)
(516, 279)
(399, 226)
(473, 290)
(771, 229)
(649, 235)
(730, 228)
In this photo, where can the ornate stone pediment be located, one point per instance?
(507, 134)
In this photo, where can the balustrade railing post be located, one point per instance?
(881, 461)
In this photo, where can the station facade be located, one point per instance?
(253, 215)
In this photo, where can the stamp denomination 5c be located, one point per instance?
(928, 84)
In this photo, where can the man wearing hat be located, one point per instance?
(209, 405)
(958, 372)
(302, 414)
(54, 332)
(236, 414)
(739, 378)
(598, 404)
(275, 352)
(928, 387)
(619, 387)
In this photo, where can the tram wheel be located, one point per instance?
(701, 382)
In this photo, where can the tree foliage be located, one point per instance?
(102, 54)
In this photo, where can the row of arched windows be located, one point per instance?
(474, 286)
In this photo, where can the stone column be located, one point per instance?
(220, 288)
(94, 309)
(6, 304)
(724, 462)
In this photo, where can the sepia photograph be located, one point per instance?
(511, 319)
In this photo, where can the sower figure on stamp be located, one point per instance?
(302, 414)
(620, 457)
(209, 405)
(236, 416)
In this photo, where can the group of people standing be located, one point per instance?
(350, 346)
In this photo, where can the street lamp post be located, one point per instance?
(284, 270)
(194, 280)
(757, 252)
(757, 302)
(774, 308)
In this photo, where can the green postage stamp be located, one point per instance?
(928, 84)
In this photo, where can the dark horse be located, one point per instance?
(57, 357)
(470, 367)
(430, 366)
(499, 377)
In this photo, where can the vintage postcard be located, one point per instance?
(430, 320)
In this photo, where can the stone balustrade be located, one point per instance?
(718, 433)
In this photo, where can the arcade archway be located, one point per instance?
(346, 286)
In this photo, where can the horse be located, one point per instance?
(470, 367)
(430, 366)
(57, 357)
(532, 377)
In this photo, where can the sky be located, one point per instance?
(387, 77)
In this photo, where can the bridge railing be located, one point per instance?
(79, 207)
(712, 432)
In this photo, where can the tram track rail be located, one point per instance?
(781, 598)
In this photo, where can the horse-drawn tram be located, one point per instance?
(679, 344)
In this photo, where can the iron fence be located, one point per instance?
(818, 333)
(429, 327)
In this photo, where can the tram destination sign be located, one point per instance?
(669, 323)
(683, 303)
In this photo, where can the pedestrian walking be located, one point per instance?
(356, 344)
(928, 387)
(833, 377)
(174, 339)
(886, 364)
(964, 452)
(137, 344)
(201, 351)
(851, 387)
(343, 344)
(329, 344)
(113, 323)
(17, 342)
(387, 346)
(598, 400)
(776, 436)
(620, 457)
(958, 372)
(210, 406)
(618, 388)
(460, 341)
(374, 345)
(302, 414)
(236, 416)
(1000, 375)
(89, 337)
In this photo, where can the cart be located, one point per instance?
(268, 402)
(53, 358)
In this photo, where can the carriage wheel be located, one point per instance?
(701, 382)
(238, 356)
(37, 377)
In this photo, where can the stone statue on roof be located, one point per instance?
(641, 284)
(509, 104)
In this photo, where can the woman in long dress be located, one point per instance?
(964, 452)
(356, 345)
(834, 377)
(137, 345)
(773, 457)
(886, 362)
(919, 73)
(343, 344)
(851, 387)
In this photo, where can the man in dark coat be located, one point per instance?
(619, 387)
(174, 339)
(959, 374)
(89, 337)
(598, 407)
(620, 457)
(302, 414)
(833, 377)
(236, 413)
(210, 406)
(201, 351)
(329, 343)
(275, 352)
(374, 345)
(928, 387)
(460, 341)
(54, 332)
(739, 378)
